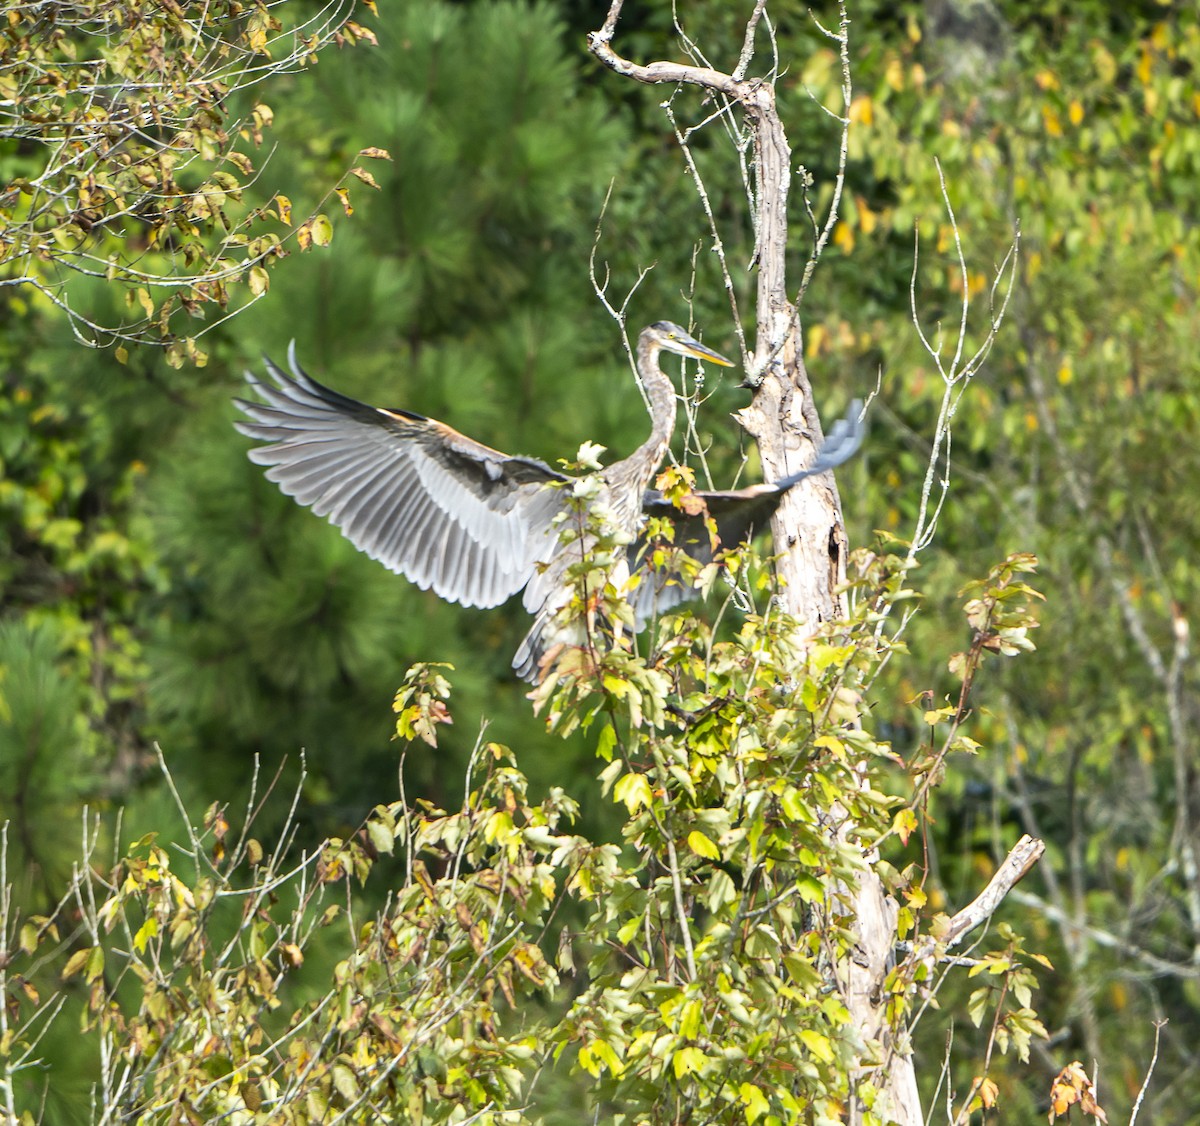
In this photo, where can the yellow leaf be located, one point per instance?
(862, 110)
(75, 963)
(817, 1044)
(688, 1060)
(754, 1101)
(988, 1093)
(344, 196)
(586, 1059)
(197, 357)
(145, 933)
(702, 846)
(260, 281)
(365, 177)
(285, 209)
(634, 790)
(832, 744)
(814, 337)
(1143, 68)
(375, 154)
(867, 219)
(904, 823)
(1075, 112)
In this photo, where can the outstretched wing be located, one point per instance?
(423, 499)
(738, 514)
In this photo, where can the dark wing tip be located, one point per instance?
(841, 443)
(843, 440)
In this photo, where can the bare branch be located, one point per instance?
(743, 63)
(1021, 858)
(842, 38)
(1137, 1106)
(600, 44)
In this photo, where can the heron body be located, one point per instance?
(476, 525)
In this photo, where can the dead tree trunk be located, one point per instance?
(809, 532)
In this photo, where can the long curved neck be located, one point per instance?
(661, 393)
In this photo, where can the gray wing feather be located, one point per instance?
(658, 592)
(451, 514)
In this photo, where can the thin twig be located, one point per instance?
(1137, 1105)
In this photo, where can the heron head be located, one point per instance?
(670, 337)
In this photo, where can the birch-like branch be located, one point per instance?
(1017, 864)
(600, 43)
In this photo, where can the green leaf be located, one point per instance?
(606, 743)
(977, 1005)
(810, 889)
(322, 230)
(628, 929)
(381, 836)
(345, 1082)
(802, 971)
(721, 890)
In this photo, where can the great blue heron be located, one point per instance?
(477, 525)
